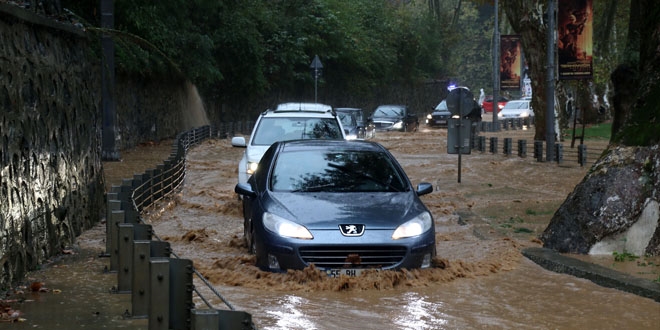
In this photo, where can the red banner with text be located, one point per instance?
(575, 39)
(510, 62)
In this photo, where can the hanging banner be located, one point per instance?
(575, 39)
(510, 62)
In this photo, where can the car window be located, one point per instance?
(293, 128)
(347, 118)
(336, 171)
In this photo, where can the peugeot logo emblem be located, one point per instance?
(351, 230)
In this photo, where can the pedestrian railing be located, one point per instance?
(161, 283)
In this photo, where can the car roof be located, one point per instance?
(347, 109)
(301, 106)
(391, 106)
(308, 144)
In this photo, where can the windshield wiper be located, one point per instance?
(316, 188)
(364, 176)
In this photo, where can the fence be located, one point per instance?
(161, 283)
(580, 155)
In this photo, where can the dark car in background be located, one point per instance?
(354, 123)
(342, 206)
(394, 118)
(439, 116)
(487, 104)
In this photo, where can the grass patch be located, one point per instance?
(601, 131)
(624, 256)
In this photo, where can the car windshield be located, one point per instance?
(336, 171)
(271, 130)
(347, 119)
(388, 111)
(442, 106)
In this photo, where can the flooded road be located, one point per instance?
(479, 280)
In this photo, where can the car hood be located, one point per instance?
(254, 153)
(321, 210)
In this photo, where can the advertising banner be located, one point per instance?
(510, 62)
(575, 39)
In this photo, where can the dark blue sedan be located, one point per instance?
(343, 206)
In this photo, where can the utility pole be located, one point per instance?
(496, 70)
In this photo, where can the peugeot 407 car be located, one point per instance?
(342, 206)
(289, 121)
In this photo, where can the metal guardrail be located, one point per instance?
(161, 286)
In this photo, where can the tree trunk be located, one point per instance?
(526, 18)
(640, 124)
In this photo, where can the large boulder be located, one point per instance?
(614, 208)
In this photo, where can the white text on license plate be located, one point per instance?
(345, 272)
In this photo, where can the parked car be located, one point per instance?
(289, 121)
(343, 206)
(487, 104)
(355, 125)
(517, 109)
(394, 118)
(439, 116)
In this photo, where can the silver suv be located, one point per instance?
(289, 121)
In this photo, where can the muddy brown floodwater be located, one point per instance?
(479, 280)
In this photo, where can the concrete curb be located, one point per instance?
(600, 275)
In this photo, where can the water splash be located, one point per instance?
(194, 112)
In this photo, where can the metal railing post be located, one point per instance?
(159, 298)
(124, 275)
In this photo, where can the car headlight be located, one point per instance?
(429, 116)
(524, 114)
(414, 227)
(285, 228)
(251, 167)
(398, 125)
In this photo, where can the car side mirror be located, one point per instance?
(245, 189)
(424, 188)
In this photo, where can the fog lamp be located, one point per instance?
(273, 264)
(426, 262)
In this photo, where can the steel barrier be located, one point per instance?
(161, 283)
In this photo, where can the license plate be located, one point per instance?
(346, 272)
(440, 121)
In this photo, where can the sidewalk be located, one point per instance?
(600, 275)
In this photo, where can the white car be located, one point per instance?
(289, 121)
(516, 109)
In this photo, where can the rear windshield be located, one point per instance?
(271, 130)
(336, 171)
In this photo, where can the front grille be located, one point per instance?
(353, 256)
(382, 125)
(441, 117)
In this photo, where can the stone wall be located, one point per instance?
(51, 173)
(51, 187)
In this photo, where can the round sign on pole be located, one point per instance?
(460, 101)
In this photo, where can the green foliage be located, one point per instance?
(624, 256)
(237, 51)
